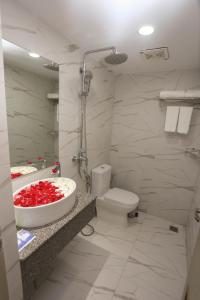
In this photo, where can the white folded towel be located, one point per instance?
(184, 120)
(171, 118)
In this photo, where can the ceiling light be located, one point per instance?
(35, 55)
(146, 30)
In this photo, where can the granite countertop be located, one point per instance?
(44, 233)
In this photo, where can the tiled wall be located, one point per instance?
(30, 115)
(193, 227)
(7, 223)
(3, 279)
(99, 118)
(145, 159)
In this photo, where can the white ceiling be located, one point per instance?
(16, 56)
(99, 23)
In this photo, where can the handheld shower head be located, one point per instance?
(87, 77)
(116, 58)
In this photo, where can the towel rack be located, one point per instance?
(186, 102)
(181, 97)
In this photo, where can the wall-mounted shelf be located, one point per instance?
(53, 96)
(181, 97)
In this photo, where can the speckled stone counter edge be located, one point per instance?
(36, 267)
(44, 233)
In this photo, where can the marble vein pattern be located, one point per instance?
(145, 159)
(193, 227)
(99, 119)
(7, 225)
(31, 116)
(152, 265)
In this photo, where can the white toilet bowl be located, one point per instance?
(113, 205)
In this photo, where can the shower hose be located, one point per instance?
(90, 231)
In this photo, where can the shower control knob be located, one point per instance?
(79, 158)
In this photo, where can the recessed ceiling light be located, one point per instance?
(146, 30)
(35, 55)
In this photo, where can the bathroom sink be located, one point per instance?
(44, 214)
(22, 170)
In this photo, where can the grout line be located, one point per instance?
(125, 264)
(12, 266)
(8, 226)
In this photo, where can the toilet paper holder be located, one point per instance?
(197, 214)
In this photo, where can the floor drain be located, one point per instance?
(173, 228)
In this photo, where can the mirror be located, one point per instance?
(32, 109)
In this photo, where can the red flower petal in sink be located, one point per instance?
(42, 193)
(15, 175)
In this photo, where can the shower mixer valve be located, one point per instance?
(80, 157)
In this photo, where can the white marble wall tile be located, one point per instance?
(10, 246)
(14, 283)
(7, 228)
(3, 278)
(193, 227)
(99, 117)
(145, 159)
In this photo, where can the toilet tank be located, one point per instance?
(101, 177)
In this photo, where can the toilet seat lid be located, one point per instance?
(121, 197)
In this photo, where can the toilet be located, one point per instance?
(113, 204)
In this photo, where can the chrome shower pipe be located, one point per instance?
(83, 68)
(82, 157)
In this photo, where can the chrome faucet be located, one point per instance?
(56, 169)
(44, 163)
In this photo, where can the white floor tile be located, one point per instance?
(109, 277)
(99, 294)
(144, 261)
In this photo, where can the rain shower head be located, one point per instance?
(116, 58)
(53, 66)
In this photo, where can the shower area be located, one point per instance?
(114, 58)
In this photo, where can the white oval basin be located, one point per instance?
(44, 214)
(23, 169)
